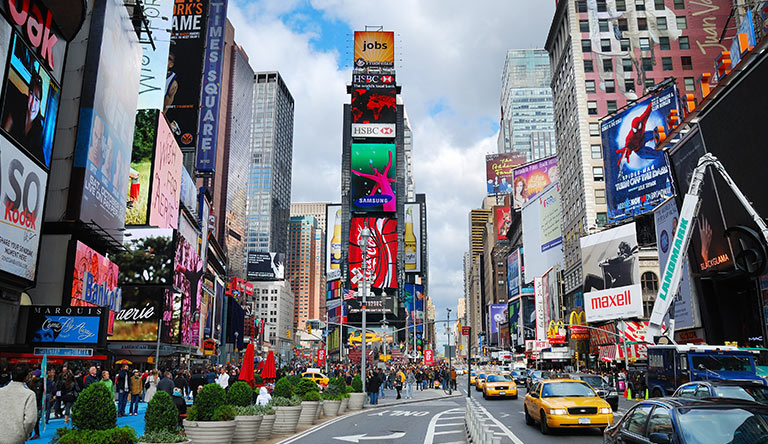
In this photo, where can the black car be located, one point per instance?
(747, 390)
(691, 421)
(601, 385)
(519, 376)
(534, 376)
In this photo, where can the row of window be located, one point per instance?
(684, 43)
(642, 24)
(621, 5)
(611, 106)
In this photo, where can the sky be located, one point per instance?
(449, 60)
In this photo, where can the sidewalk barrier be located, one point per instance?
(476, 427)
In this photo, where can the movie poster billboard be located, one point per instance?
(528, 312)
(372, 182)
(107, 116)
(187, 277)
(22, 199)
(184, 75)
(66, 325)
(513, 274)
(542, 232)
(147, 258)
(499, 171)
(154, 58)
(636, 173)
(381, 263)
(166, 179)
(610, 263)
(412, 238)
(531, 179)
(264, 266)
(515, 323)
(139, 315)
(333, 242)
(502, 221)
(140, 176)
(374, 49)
(94, 279)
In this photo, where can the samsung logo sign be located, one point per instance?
(379, 130)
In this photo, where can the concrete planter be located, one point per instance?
(319, 409)
(331, 408)
(246, 429)
(308, 412)
(343, 406)
(356, 401)
(265, 429)
(151, 443)
(204, 432)
(286, 419)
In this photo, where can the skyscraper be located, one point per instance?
(269, 180)
(302, 265)
(527, 121)
(316, 210)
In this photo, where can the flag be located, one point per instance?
(349, 294)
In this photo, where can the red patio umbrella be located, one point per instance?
(246, 369)
(268, 372)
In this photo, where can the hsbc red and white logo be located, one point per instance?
(386, 81)
(378, 130)
(614, 303)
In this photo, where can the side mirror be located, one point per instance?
(659, 438)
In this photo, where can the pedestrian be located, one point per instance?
(123, 390)
(136, 388)
(69, 390)
(35, 383)
(196, 380)
(166, 384)
(91, 377)
(108, 382)
(151, 385)
(181, 381)
(223, 378)
(372, 386)
(264, 396)
(399, 381)
(382, 383)
(18, 405)
(50, 393)
(453, 378)
(178, 401)
(410, 379)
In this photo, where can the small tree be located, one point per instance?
(305, 386)
(211, 397)
(357, 384)
(94, 409)
(283, 388)
(240, 394)
(161, 414)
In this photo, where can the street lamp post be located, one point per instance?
(450, 367)
(364, 235)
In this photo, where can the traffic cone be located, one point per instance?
(646, 394)
(629, 394)
(625, 392)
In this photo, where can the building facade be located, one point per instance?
(302, 268)
(274, 302)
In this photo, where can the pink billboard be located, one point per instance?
(188, 280)
(529, 180)
(94, 280)
(166, 179)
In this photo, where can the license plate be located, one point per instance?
(585, 421)
(502, 393)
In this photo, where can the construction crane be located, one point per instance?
(673, 272)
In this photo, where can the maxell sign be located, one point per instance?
(380, 130)
(614, 303)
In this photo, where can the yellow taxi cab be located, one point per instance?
(313, 374)
(500, 385)
(472, 376)
(566, 403)
(479, 380)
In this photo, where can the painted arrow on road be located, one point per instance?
(365, 437)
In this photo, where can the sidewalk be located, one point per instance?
(390, 397)
(137, 422)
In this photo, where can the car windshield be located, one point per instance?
(541, 375)
(723, 426)
(481, 376)
(498, 378)
(594, 381)
(519, 373)
(566, 389)
(722, 363)
(752, 393)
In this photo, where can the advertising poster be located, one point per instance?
(147, 258)
(139, 315)
(529, 316)
(337, 311)
(154, 62)
(611, 274)
(65, 325)
(188, 281)
(503, 220)
(333, 242)
(376, 304)
(264, 266)
(513, 274)
(666, 218)
(189, 231)
(171, 329)
(497, 315)
(166, 179)
(531, 179)
(22, 199)
(542, 233)
(140, 176)
(636, 173)
(374, 81)
(208, 127)
(381, 263)
(414, 303)
(374, 49)
(412, 238)
(499, 171)
(94, 279)
(372, 182)
(539, 309)
(551, 295)
(185, 65)
(333, 290)
(514, 321)
(188, 195)
(374, 107)
(107, 117)
(42, 25)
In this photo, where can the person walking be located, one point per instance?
(223, 378)
(91, 377)
(123, 389)
(108, 382)
(69, 390)
(399, 381)
(151, 385)
(50, 394)
(166, 384)
(196, 380)
(372, 385)
(35, 383)
(453, 378)
(410, 379)
(181, 381)
(136, 388)
(19, 407)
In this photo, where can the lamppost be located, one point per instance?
(450, 367)
(364, 235)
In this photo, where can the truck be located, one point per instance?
(670, 366)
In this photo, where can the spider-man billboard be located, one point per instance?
(636, 173)
(372, 179)
(381, 259)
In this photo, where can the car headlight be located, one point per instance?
(604, 410)
(557, 411)
(613, 393)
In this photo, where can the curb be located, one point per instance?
(409, 401)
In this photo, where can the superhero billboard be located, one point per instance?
(499, 171)
(374, 49)
(372, 182)
(636, 173)
(381, 257)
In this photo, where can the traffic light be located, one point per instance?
(288, 333)
(309, 329)
(577, 356)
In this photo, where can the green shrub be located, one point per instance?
(248, 410)
(161, 414)
(311, 396)
(117, 435)
(265, 410)
(294, 379)
(357, 384)
(240, 394)
(305, 386)
(192, 413)
(210, 397)
(163, 436)
(339, 383)
(283, 388)
(224, 413)
(258, 379)
(332, 390)
(280, 401)
(94, 409)
(331, 396)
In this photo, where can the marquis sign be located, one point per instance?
(65, 325)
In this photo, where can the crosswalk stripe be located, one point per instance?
(448, 432)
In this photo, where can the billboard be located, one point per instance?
(539, 309)
(542, 233)
(636, 173)
(374, 80)
(184, 74)
(154, 60)
(208, 127)
(412, 238)
(66, 325)
(528, 312)
(188, 194)
(499, 171)
(22, 199)
(140, 176)
(337, 311)
(503, 220)
(170, 332)
(188, 281)
(497, 314)
(515, 323)
(107, 117)
(333, 290)
(333, 242)
(374, 106)
(166, 179)
(381, 263)
(374, 49)
(372, 182)
(139, 315)
(374, 130)
(264, 266)
(147, 258)
(513, 274)
(376, 304)
(611, 274)
(94, 279)
(531, 179)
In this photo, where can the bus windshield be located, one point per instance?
(728, 363)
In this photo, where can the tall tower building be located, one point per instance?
(410, 183)
(302, 265)
(605, 54)
(269, 179)
(317, 211)
(527, 117)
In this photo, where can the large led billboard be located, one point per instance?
(374, 49)
(147, 258)
(188, 280)
(188, 195)
(154, 56)
(372, 182)
(264, 266)
(529, 180)
(412, 238)
(140, 177)
(333, 242)
(636, 173)
(374, 106)
(502, 221)
(542, 232)
(94, 279)
(139, 315)
(166, 179)
(66, 325)
(381, 257)
(513, 274)
(499, 171)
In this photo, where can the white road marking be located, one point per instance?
(448, 432)
(449, 424)
(430, 436)
(498, 424)
(365, 437)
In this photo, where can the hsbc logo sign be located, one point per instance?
(378, 130)
(385, 81)
(614, 303)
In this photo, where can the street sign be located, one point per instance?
(429, 357)
(72, 352)
(320, 356)
(209, 347)
(465, 330)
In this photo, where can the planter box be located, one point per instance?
(204, 432)
(308, 412)
(356, 401)
(331, 408)
(286, 420)
(319, 409)
(343, 406)
(265, 429)
(246, 429)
